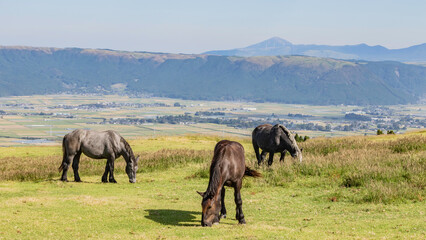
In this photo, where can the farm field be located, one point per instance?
(44, 120)
(361, 187)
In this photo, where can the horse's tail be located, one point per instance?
(64, 152)
(252, 173)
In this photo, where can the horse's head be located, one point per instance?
(298, 154)
(131, 168)
(293, 149)
(210, 210)
(283, 136)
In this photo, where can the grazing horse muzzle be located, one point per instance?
(297, 155)
(206, 224)
(209, 224)
(131, 169)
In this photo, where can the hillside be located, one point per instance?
(277, 46)
(291, 79)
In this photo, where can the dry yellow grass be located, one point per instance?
(377, 169)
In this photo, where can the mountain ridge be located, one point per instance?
(285, 79)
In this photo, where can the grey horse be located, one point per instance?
(274, 139)
(98, 145)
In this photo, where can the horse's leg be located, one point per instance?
(239, 202)
(263, 155)
(111, 170)
(223, 209)
(105, 176)
(271, 158)
(256, 150)
(75, 163)
(65, 165)
(282, 155)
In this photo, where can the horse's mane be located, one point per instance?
(215, 175)
(128, 148)
(288, 133)
(214, 181)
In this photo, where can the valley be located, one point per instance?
(46, 119)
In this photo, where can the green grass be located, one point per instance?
(346, 188)
(164, 205)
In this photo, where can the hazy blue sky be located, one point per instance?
(196, 26)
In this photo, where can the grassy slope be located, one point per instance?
(285, 204)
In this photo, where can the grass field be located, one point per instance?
(346, 188)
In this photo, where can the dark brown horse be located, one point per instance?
(274, 139)
(227, 169)
(99, 145)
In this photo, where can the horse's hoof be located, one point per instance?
(77, 180)
(64, 180)
(242, 221)
(112, 181)
(223, 215)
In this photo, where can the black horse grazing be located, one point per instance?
(272, 139)
(227, 169)
(99, 145)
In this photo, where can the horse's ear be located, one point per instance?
(137, 158)
(201, 193)
(301, 150)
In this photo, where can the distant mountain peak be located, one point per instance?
(274, 42)
(277, 46)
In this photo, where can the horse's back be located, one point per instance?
(94, 144)
(261, 136)
(229, 155)
(72, 140)
(263, 127)
(100, 137)
(261, 131)
(230, 147)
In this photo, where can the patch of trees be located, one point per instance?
(380, 132)
(207, 113)
(351, 127)
(300, 138)
(298, 115)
